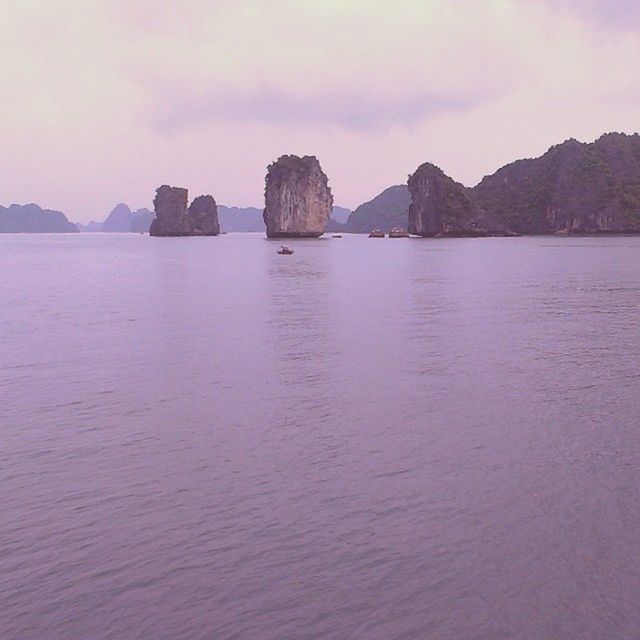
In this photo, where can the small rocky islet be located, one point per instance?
(174, 218)
(574, 188)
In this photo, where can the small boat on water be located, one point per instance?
(398, 232)
(337, 235)
(376, 233)
(285, 251)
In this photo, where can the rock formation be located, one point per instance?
(297, 197)
(173, 218)
(203, 213)
(442, 207)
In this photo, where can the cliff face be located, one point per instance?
(203, 215)
(174, 219)
(573, 188)
(442, 207)
(297, 197)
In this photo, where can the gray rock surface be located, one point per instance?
(203, 214)
(173, 218)
(298, 199)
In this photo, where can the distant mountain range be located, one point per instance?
(240, 219)
(122, 220)
(30, 218)
(232, 219)
(573, 188)
(386, 211)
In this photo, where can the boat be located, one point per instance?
(285, 251)
(337, 235)
(376, 233)
(398, 232)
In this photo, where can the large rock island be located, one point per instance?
(297, 197)
(442, 207)
(174, 218)
(573, 188)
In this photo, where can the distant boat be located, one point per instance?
(398, 232)
(337, 235)
(376, 233)
(285, 251)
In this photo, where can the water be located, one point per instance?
(378, 439)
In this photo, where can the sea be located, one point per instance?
(375, 439)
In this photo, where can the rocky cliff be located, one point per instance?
(442, 207)
(573, 188)
(173, 218)
(297, 197)
(203, 214)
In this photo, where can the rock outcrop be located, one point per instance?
(173, 218)
(442, 207)
(573, 188)
(203, 214)
(297, 197)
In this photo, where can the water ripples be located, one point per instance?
(417, 439)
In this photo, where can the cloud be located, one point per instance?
(618, 14)
(357, 66)
(105, 99)
(353, 111)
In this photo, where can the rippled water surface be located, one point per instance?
(376, 439)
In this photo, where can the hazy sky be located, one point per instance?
(102, 101)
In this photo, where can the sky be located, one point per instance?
(104, 100)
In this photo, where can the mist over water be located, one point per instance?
(377, 439)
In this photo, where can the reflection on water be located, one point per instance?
(399, 439)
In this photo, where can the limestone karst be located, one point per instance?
(298, 199)
(442, 207)
(174, 218)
